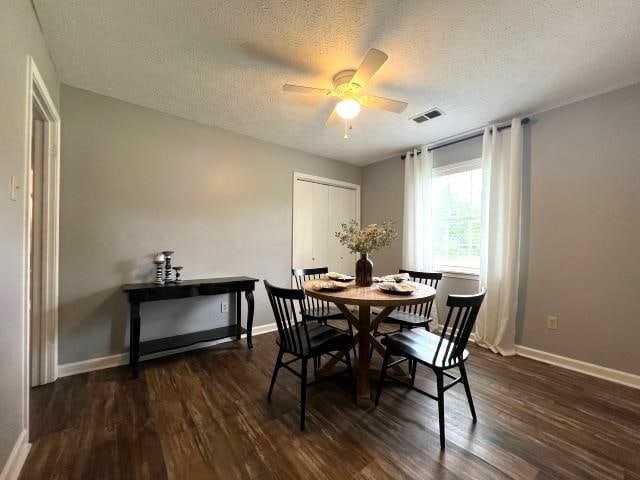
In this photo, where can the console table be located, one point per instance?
(138, 293)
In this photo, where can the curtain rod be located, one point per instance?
(524, 121)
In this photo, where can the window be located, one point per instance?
(455, 209)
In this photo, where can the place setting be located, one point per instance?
(395, 288)
(333, 282)
(396, 284)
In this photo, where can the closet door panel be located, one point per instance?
(342, 208)
(320, 224)
(303, 225)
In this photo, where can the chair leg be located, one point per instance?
(316, 363)
(383, 373)
(375, 334)
(414, 368)
(350, 331)
(350, 373)
(467, 389)
(440, 383)
(303, 392)
(275, 372)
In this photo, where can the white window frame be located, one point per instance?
(450, 169)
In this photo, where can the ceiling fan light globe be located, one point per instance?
(348, 108)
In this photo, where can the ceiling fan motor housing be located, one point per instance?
(342, 82)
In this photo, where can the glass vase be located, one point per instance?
(364, 271)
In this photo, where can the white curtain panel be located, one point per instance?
(416, 222)
(500, 242)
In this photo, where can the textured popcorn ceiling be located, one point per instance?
(223, 63)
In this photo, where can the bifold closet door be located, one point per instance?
(342, 209)
(311, 217)
(318, 212)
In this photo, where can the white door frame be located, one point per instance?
(324, 181)
(46, 359)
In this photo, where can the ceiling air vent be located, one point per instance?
(429, 115)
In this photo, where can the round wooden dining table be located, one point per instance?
(365, 298)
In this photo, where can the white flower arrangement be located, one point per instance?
(366, 239)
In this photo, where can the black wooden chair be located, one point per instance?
(438, 352)
(413, 316)
(315, 309)
(302, 340)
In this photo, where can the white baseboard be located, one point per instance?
(74, 368)
(605, 373)
(617, 376)
(260, 329)
(17, 457)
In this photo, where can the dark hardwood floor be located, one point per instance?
(204, 415)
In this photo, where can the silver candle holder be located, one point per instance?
(177, 269)
(167, 265)
(159, 261)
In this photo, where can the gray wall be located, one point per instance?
(19, 37)
(383, 199)
(136, 181)
(584, 222)
(581, 256)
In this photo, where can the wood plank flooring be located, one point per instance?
(204, 415)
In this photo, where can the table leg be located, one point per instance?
(238, 315)
(134, 337)
(249, 296)
(363, 398)
(365, 340)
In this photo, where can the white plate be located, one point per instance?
(390, 288)
(339, 277)
(329, 286)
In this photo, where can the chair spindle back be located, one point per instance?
(463, 311)
(301, 275)
(426, 278)
(292, 329)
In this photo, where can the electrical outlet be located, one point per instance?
(224, 307)
(552, 322)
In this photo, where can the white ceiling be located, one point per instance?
(223, 63)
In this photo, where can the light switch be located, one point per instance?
(14, 188)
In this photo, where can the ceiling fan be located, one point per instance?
(348, 85)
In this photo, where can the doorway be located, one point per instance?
(41, 200)
(34, 212)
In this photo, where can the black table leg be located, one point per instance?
(238, 314)
(249, 296)
(134, 340)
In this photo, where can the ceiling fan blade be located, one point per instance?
(369, 66)
(307, 90)
(381, 103)
(333, 120)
